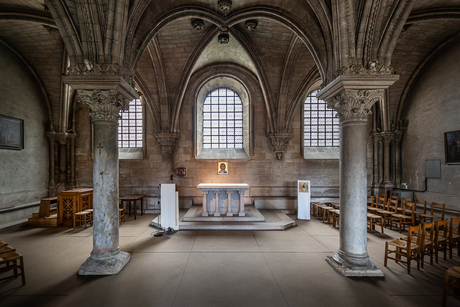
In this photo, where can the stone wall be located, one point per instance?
(24, 173)
(433, 108)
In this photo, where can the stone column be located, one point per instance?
(387, 138)
(229, 203)
(398, 138)
(217, 212)
(205, 198)
(375, 178)
(106, 257)
(241, 213)
(72, 160)
(52, 187)
(352, 96)
(62, 158)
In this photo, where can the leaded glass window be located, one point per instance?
(222, 119)
(130, 126)
(321, 126)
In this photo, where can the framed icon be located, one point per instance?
(222, 168)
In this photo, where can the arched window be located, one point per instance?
(130, 131)
(321, 129)
(222, 119)
(130, 126)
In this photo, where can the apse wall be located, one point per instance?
(433, 108)
(273, 182)
(25, 173)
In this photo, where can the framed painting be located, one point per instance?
(11, 133)
(181, 172)
(303, 187)
(452, 147)
(222, 168)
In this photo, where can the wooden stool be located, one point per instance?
(455, 273)
(81, 217)
(10, 260)
(90, 216)
(122, 214)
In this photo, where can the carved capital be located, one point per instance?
(387, 137)
(198, 24)
(279, 142)
(250, 25)
(105, 105)
(167, 142)
(225, 5)
(398, 136)
(376, 137)
(94, 69)
(355, 105)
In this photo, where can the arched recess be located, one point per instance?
(316, 45)
(238, 79)
(39, 82)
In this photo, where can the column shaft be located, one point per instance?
(205, 202)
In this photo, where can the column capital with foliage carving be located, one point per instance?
(105, 105)
(167, 142)
(279, 142)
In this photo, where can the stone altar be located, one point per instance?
(223, 198)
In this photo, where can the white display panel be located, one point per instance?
(303, 199)
(169, 206)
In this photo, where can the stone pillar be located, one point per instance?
(352, 96)
(375, 176)
(387, 138)
(229, 203)
(72, 160)
(205, 198)
(62, 158)
(52, 186)
(217, 212)
(241, 213)
(398, 138)
(106, 257)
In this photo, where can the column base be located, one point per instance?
(241, 214)
(229, 213)
(217, 214)
(204, 214)
(109, 266)
(347, 269)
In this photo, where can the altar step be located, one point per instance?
(46, 221)
(272, 220)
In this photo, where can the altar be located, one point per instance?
(223, 198)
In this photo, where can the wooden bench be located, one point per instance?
(48, 206)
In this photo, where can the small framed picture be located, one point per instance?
(11, 133)
(303, 187)
(222, 168)
(452, 147)
(181, 172)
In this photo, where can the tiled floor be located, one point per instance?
(212, 268)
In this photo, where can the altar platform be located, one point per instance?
(254, 219)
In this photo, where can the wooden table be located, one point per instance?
(73, 201)
(133, 199)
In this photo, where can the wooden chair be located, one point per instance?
(454, 237)
(393, 205)
(122, 214)
(407, 217)
(430, 217)
(394, 197)
(405, 248)
(12, 261)
(422, 204)
(426, 247)
(374, 219)
(81, 217)
(455, 273)
(383, 210)
(406, 200)
(384, 196)
(440, 238)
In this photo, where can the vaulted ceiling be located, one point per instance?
(165, 49)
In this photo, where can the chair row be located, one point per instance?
(10, 259)
(425, 239)
(405, 212)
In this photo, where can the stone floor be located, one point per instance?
(212, 268)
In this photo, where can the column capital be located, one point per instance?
(387, 137)
(398, 135)
(355, 105)
(279, 142)
(167, 142)
(105, 105)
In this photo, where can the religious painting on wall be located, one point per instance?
(11, 133)
(452, 147)
(303, 187)
(181, 172)
(222, 168)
